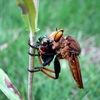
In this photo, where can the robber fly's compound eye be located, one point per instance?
(58, 35)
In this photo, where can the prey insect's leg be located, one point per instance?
(48, 74)
(48, 70)
(35, 70)
(33, 54)
(36, 55)
(35, 47)
(42, 69)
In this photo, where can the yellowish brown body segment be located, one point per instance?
(68, 48)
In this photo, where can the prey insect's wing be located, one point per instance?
(75, 69)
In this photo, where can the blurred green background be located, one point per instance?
(80, 19)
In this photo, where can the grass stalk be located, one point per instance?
(31, 67)
(31, 58)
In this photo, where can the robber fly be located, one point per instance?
(62, 48)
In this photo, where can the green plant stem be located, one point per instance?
(31, 58)
(31, 67)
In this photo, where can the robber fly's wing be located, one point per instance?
(75, 69)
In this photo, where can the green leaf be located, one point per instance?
(8, 88)
(28, 14)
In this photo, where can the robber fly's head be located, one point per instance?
(56, 36)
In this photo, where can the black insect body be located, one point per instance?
(45, 56)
